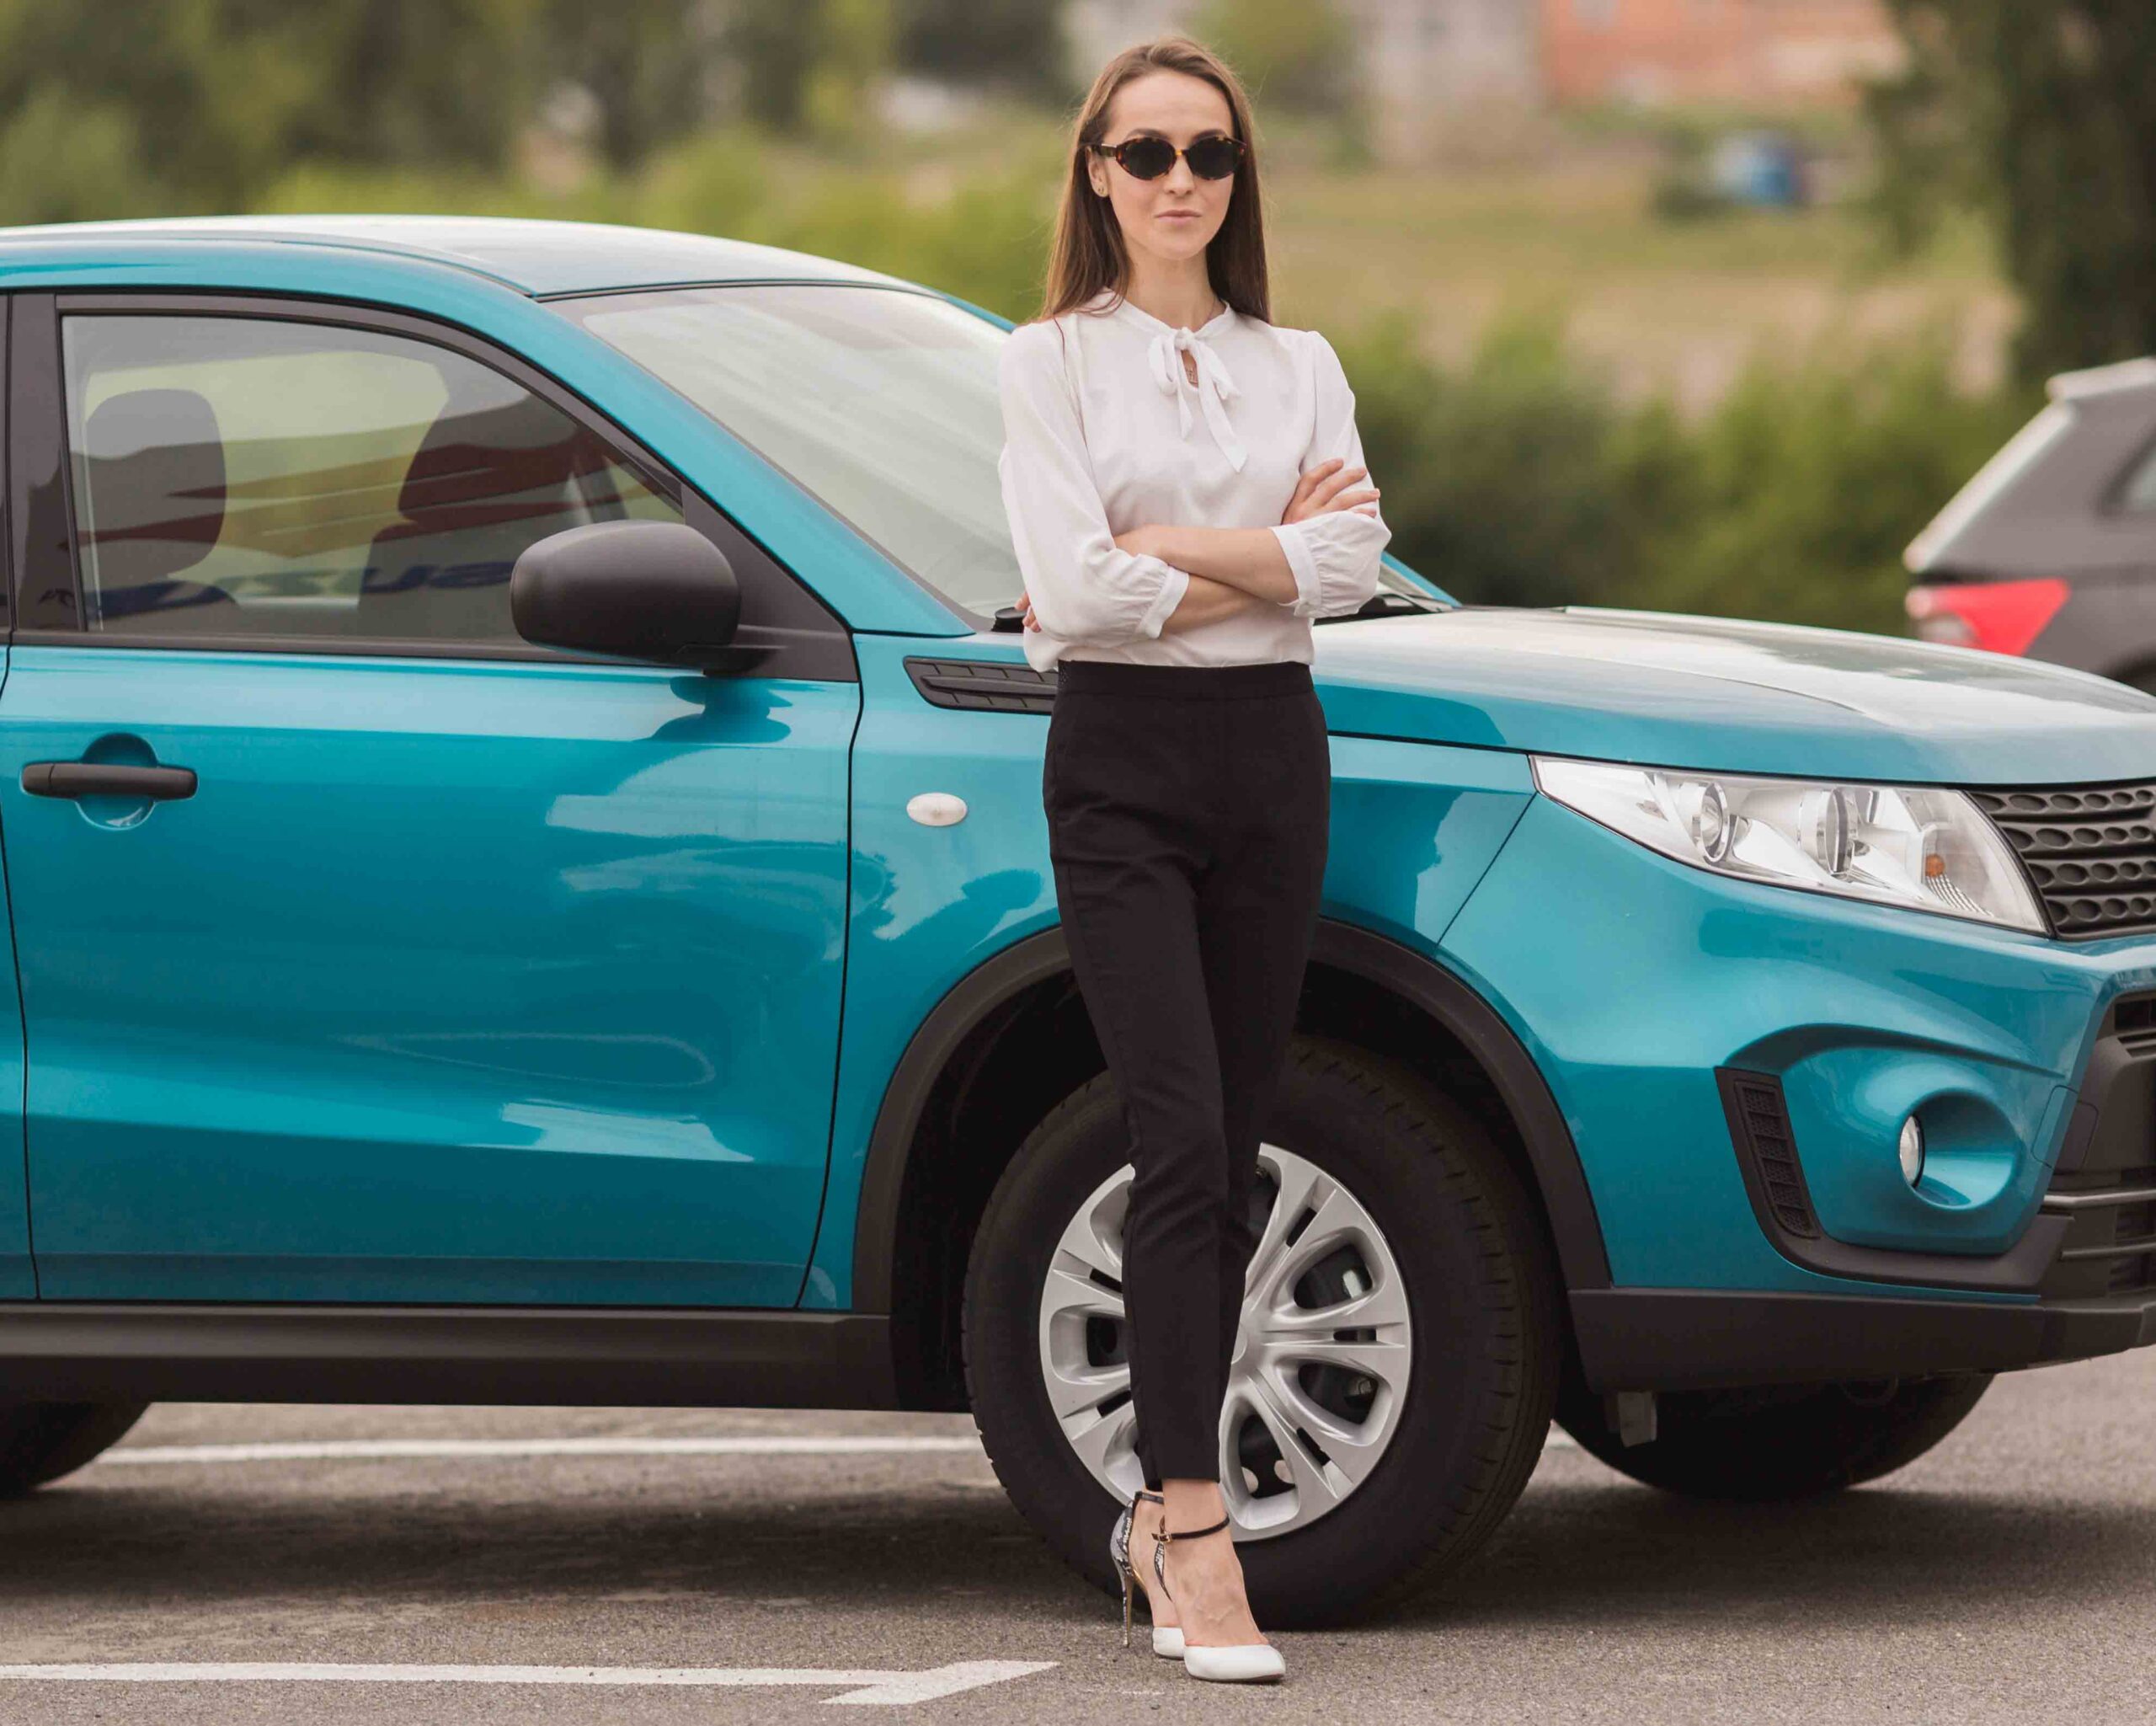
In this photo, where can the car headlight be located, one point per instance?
(1928, 849)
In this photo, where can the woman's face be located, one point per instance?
(1173, 217)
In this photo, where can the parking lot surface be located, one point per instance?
(539, 1564)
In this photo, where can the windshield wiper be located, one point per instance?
(1384, 603)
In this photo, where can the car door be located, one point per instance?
(370, 953)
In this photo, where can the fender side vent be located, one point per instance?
(1766, 1148)
(996, 684)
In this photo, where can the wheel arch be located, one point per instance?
(1021, 1011)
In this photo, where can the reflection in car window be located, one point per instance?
(239, 476)
(881, 403)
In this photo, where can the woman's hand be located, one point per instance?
(1143, 540)
(1138, 542)
(1320, 490)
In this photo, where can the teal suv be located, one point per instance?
(525, 882)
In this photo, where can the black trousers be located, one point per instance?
(1187, 811)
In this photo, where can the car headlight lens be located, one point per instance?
(1918, 847)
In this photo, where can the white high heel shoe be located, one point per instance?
(1232, 1662)
(1167, 1638)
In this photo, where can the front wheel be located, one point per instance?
(1778, 1441)
(1395, 1365)
(41, 1441)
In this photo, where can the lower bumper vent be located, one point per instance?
(1766, 1147)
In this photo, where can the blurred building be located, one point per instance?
(1749, 53)
(1432, 70)
(1439, 71)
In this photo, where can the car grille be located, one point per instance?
(2090, 851)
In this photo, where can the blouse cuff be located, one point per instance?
(1308, 597)
(1166, 601)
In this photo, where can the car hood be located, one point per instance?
(1672, 690)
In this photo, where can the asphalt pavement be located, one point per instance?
(235, 1563)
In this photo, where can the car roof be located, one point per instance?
(533, 254)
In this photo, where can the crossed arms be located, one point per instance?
(1084, 583)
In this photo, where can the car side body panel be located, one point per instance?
(1414, 826)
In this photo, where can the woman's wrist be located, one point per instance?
(1247, 558)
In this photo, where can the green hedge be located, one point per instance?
(1521, 479)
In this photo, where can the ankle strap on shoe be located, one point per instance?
(1162, 1535)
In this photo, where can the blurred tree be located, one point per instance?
(855, 44)
(647, 65)
(1018, 43)
(2041, 114)
(1294, 54)
(798, 62)
(771, 45)
(215, 98)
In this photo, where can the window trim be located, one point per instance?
(809, 639)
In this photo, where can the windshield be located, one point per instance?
(880, 402)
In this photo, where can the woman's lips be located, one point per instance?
(1178, 215)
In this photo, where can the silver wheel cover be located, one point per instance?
(1321, 1357)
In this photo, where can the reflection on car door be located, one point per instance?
(399, 960)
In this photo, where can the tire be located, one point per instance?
(1778, 1442)
(1448, 1263)
(41, 1441)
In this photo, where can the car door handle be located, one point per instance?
(106, 779)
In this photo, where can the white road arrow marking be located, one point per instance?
(338, 1450)
(865, 1685)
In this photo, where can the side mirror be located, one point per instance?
(644, 590)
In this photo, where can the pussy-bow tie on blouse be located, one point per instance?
(1213, 388)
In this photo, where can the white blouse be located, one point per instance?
(1103, 432)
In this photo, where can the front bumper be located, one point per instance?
(2088, 1259)
(1655, 999)
(1667, 1339)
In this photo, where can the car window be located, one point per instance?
(881, 403)
(2138, 494)
(239, 476)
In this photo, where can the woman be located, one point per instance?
(1181, 481)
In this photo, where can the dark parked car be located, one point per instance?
(2050, 551)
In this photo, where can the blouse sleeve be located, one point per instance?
(1335, 553)
(1083, 586)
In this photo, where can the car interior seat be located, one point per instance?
(154, 472)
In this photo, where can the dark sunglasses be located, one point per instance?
(1212, 157)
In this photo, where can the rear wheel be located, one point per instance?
(1396, 1367)
(41, 1441)
(1778, 1441)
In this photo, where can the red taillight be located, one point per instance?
(2001, 617)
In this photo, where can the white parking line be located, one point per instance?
(867, 1685)
(338, 1450)
(346, 1449)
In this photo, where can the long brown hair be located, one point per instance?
(1088, 254)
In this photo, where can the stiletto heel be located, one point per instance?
(1234, 1662)
(1167, 1638)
